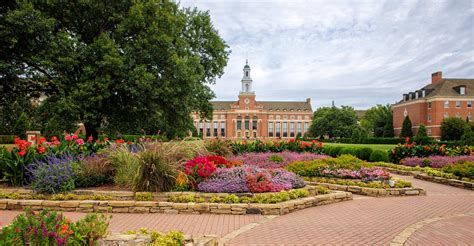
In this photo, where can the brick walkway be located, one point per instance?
(365, 220)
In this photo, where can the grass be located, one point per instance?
(373, 146)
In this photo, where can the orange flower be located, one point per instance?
(64, 228)
(70, 232)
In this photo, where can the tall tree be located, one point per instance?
(121, 65)
(452, 128)
(406, 128)
(378, 120)
(333, 122)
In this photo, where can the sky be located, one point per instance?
(357, 53)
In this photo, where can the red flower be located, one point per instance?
(68, 138)
(42, 140)
(41, 149)
(106, 139)
(80, 141)
(119, 141)
(407, 139)
(90, 139)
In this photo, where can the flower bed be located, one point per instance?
(274, 160)
(398, 183)
(435, 161)
(297, 145)
(375, 192)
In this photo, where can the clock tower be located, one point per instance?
(246, 95)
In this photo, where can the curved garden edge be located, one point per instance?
(127, 206)
(439, 180)
(140, 239)
(374, 192)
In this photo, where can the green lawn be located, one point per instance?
(373, 146)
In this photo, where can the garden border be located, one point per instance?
(177, 208)
(141, 239)
(445, 181)
(374, 192)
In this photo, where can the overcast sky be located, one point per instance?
(357, 53)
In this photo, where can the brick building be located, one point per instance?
(249, 118)
(440, 99)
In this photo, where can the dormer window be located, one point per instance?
(462, 90)
(423, 93)
(416, 95)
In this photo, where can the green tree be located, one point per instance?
(333, 122)
(359, 135)
(406, 128)
(468, 134)
(116, 65)
(421, 132)
(452, 128)
(378, 121)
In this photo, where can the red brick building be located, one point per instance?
(249, 118)
(440, 99)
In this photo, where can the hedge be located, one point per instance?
(7, 139)
(363, 153)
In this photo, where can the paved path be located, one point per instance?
(443, 217)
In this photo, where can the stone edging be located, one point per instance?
(401, 238)
(140, 239)
(400, 172)
(177, 208)
(375, 192)
(441, 180)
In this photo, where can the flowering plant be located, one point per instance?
(435, 161)
(297, 145)
(199, 168)
(275, 160)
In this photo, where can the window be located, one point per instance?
(423, 93)
(277, 130)
(458, 104)
(429, 105)
(201, 129)
(469, 116)
(285, 129)
(216, 128)
(270, 129)
(446, 104)
(254, 123)
(299, 128)
(208, 129)
(469, 104)
(446, 115)
(458, 115)
(247, 123)
(416, 95)
(429, 118)
(292, 129)
(246, 73)
(462, 90)
(428, 131)
(239, 123)
(306, 127)
(223, 129)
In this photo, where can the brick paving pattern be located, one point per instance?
(363, 221)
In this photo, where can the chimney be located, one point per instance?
(308, 100)
(436, 77)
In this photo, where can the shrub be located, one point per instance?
(125, 165)
(94, 170)
(143, 196)
(274, 160)
(182, 198)
(199, 169)
(231, 199)
(215, 199)
(435, 161)
(406, 128)
(364, 153)
(7, 139)
(171, 238)
(452, 128)
(379, 156)
(92, 227)
(219, 147)
(52, 174)
(157, 172)
(463, 169)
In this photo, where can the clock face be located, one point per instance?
(247, 101)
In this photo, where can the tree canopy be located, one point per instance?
(333, 122)
(452, 128)
(118, 65)
(378, 121)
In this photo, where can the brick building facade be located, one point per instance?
(249, 118)
(440, 99)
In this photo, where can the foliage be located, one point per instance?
(452, 128)
(143, 196)
(7, 139)
(125, 164)
(219, 147)
(182, 198)
(250, 179)
(231, 199)
(94, 170)
(421, 132)
(294, 145)
(333, 122)
(413, 149)
(406, 128)
(399, 183)
(378, 120)
(378, 155)
(157, 172)
(434, 161)
(274, 160)
(134, 65)
(468, 134)
(172, 238)
(463, 169)
(53, 174)
(359, 135)
(52, 228)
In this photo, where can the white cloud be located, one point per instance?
(357, 53)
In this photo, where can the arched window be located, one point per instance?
(246, 87)
(246, 73)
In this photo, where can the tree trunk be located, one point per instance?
(91, 130)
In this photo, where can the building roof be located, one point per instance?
(444, 88)
(269, 105)
(360, 113)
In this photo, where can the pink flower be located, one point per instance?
(80, 141)
(89, 139)
(68, 138)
